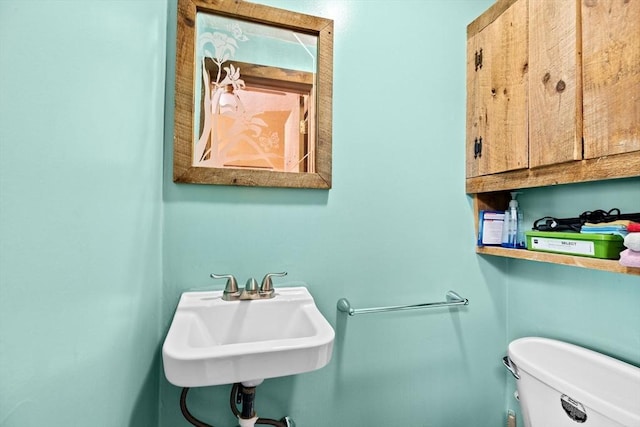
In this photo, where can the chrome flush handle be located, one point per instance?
(510, 367)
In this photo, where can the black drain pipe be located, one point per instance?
(247, 395)
(240, 393)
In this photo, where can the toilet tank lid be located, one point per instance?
(605, 384)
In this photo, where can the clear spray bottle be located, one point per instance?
(513, 227)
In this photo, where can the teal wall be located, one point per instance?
(81, 125)
(394, 229)
(97, 242)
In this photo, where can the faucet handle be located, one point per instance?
(251, 287)
(267, 285)
(231, 288)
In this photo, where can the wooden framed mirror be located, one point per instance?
(253, 96)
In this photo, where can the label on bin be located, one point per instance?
(567, 246)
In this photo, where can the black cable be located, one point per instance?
(232, 400)
(185, 412)
(270, 422)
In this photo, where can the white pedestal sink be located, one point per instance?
(213, 342)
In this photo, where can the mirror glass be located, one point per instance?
(257, 113)
(256, 95)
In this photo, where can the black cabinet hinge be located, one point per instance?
(478, 59)
(477, 148)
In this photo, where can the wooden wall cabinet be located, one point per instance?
(611, 82)
(497, 94)
(555, 110)
(553, 97)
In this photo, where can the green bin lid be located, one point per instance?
(575, 235)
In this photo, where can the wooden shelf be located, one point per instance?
(576, 261)
(609, 167)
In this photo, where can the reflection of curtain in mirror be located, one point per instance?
(267, 124)
(254, 135)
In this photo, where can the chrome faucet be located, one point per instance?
(231, 291)
(251, 290)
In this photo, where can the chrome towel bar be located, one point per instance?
(452, 299)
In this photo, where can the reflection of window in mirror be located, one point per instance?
(254, 111)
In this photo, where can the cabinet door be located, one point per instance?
(555, 104)
(497, 94)
(611, 74)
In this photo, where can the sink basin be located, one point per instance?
(212, 341)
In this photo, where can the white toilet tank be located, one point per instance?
(563, 385)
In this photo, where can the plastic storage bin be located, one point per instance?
(606, 246)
